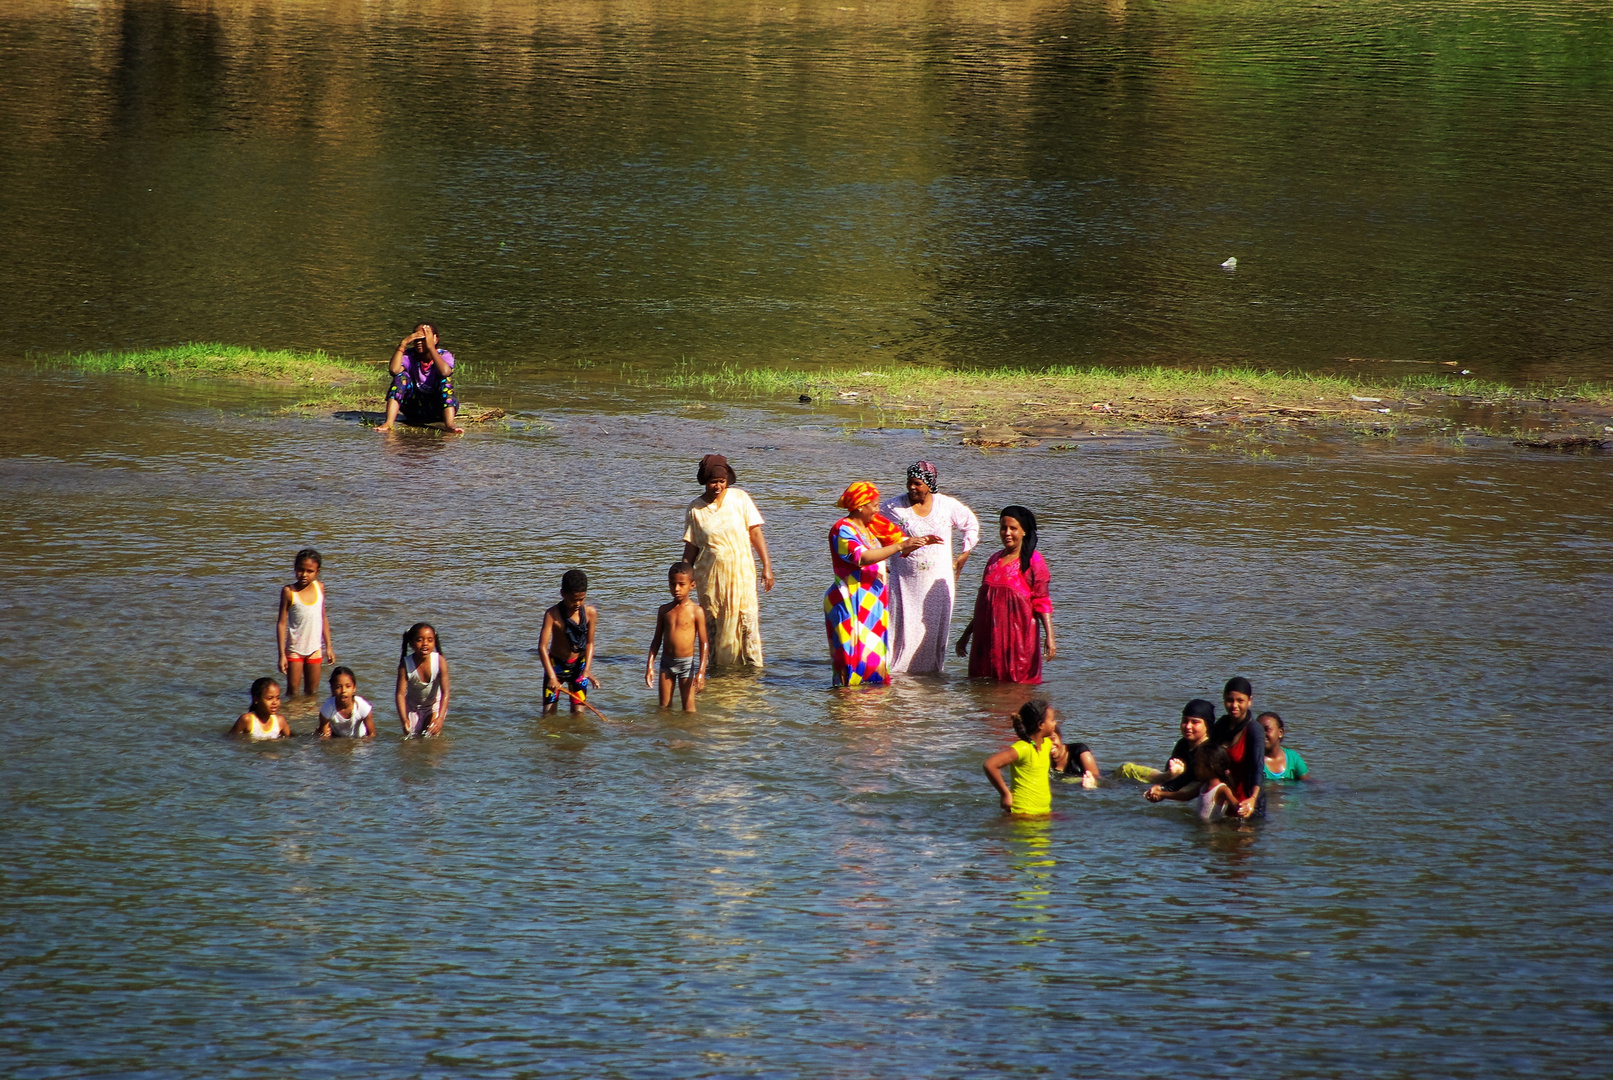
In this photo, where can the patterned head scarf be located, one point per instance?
(883, 528)
(925, 471)
(859, 494)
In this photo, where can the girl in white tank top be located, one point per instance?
(345, 715)
(302, 629)
(262, 720)
(422, 692)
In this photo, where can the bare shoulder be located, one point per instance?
(590, 612)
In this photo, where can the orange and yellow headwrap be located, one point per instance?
(883, 528)
(859, 494)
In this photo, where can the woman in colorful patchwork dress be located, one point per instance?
(1011, 607)
(721, 529)
(422, 383)
(923, 587)
(854, 607)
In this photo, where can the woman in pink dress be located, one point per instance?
(1013, 614)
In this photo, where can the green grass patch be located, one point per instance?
(207, 360)
(1067, 384)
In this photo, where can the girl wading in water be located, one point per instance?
(923, 585)
(721, 528)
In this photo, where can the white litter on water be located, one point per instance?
(1230, 264)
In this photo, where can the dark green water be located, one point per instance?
(959, 183)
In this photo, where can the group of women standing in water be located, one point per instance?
(889, 610)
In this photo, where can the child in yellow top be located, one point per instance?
(1038, 749)
(262, 720)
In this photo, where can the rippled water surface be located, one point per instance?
(565, 183)
(796, 882)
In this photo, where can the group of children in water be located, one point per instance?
(1222, 766)
(566, 643)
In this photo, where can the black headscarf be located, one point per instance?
(1200, 708)
(1027, 521)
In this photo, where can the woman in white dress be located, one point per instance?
(923, 585)
(721, 530)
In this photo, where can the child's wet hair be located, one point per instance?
(1238, 685)
(1211, 759)
(1030, 718)
(679, 568)
(311, 555)
(260, 685)
(338, 673)
(1280, 725)
(573, 581)
(408, 640)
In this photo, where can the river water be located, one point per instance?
(796, 882)
(564, 183)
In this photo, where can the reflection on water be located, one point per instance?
(795, 881)
(1030, 860)
(568, 186)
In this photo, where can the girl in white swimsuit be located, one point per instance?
(262, 721)
(302, 630)
(422, 693)
(345, 715)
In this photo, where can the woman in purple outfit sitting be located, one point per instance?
(422, 383)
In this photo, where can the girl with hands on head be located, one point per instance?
(422, 389)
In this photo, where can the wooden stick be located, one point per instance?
(575, 700)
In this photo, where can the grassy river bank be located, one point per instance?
(1007, 407)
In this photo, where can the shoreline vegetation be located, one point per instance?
(1014, 407)
(1018, 407)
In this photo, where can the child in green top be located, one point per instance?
(1038, 749)
(1281, 764)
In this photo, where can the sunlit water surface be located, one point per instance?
(796, 881)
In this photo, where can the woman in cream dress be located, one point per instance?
(923, 585)
(721, 529)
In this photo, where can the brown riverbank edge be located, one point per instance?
(1032, 412)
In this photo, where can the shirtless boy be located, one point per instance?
(679, 627)
(566, 644)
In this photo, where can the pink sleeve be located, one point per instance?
(1040, 603)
